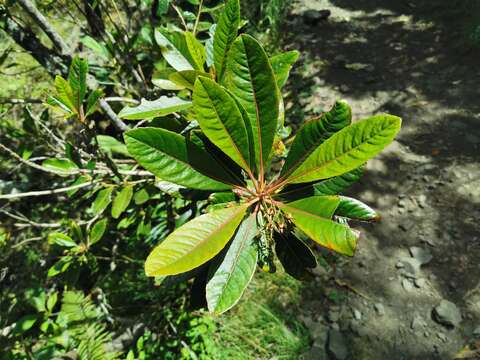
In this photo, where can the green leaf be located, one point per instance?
(196, 49)
(64, 93)
(173, 158)
(221, 197)
(62, 166)
(209, 45)
(60, 266)
(225, 34)
(51, 301)
(141, 197)
(355, 209)
(121, 201)
(150, 109)
(103, 199)
(77, 78)
(295, 256)
(25, 323)
(229, 278)
(312, 215)
(174, 49)
(92, 101)
(282, 64)
(249, 76)
(186, 78)
(194, 243)
(315, 132)
(221, 121)
(98, 48)
(332, 186)
(162, 80)
(111, 145)
(58, 104)
(347, 149)
(61, 240)
(97, 231)
(80, 180)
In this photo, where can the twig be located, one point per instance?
(20, 101)
(29, 222)
(26, 241)
(121, 99)
(181, 17)
(119, 124)
(197, 20)
(47, 192)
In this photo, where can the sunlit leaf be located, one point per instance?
(111, 145)
(61, 240)
(194, 243)
(355, 209)
(174, 49)
(97, 231)
(150, 109)
(121, 201)
(77, 78)
(249, 77)
(347, 149)
(282, 64)
(196, 49)
(103, 199)
(62, 166)
(229, 277)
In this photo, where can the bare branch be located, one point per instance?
(36, 15)
(47, 192)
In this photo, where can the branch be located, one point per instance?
(36, 15)
(47, 192)
(20, 101)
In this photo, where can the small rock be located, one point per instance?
(400, 265)
(423, 256)
(333, 316)
(357, 314)
(422, 200)
(446, 313)
(476, 332)
(312, 17)
(379, 309)
(407, 285)
(402, 203)
(411, 267)
(337, 346)
(417, 323)
(420, 283)
(357, 328)
(442, 337)
(406, 225)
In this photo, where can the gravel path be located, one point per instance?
(413, 289)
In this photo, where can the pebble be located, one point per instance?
(476, 332)
(446, 313)
(420, 283)
(417, 323)
(337, 346)
(333, 316)
(407, 285)
(423, 256)
(409, 267)
(380, 309)
(357, 314)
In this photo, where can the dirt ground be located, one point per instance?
(396, 57)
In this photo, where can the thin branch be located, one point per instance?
(20, 101)
(36, 15)
(181, 17)
(121, 99)
(119, 124)
(197, 20)
(47, 192)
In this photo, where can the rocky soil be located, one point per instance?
(413, 289)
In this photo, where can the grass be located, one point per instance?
(263, 324)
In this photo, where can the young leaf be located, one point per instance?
(58, 104)
(92, 101)
(61, 240)
(225, 34)
(314, 133)
(77, 78)
(151, 109)
(312, 216)
(103, 199)
(249, 77)
(295, 256)
(347, 149)
(209, 45)
(141, 197)
(196, 49)
(229, 278)
(64, 93)
(25, 323)
(121, 201)
(173, 158)
(355, 209)
(221, 121)
(162, 80)
(194, 243)
(97, 231)
(281, 64)
(174, 49)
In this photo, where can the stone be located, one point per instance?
(337, 345)
(312, 17)
(420, 283)
(333, 316)
(380, 309)
(407, 284)
(357, 314)
(446, 313)
(417, 323)
(476, 332)
(316, 352)
(410, 267)
(423, 256)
